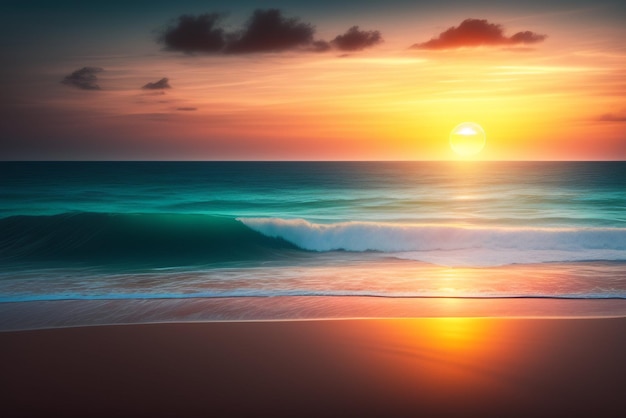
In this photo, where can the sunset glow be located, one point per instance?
(389, 89)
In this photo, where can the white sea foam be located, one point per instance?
(451, 245)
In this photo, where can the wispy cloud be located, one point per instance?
(612, 117)
(84, 79)
(158, 85)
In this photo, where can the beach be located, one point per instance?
(433, 367)
(313, 289)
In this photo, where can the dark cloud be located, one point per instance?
(355, 39)
(158, 85)
(85, 78)
(268, 31)
(478, 32)
(187, 109)
(195, 34)
(612, 117)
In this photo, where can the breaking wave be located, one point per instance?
(448, 244)
(184, 239)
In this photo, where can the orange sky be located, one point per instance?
(558, 99)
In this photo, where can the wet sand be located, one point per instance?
(438, 367)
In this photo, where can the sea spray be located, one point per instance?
(450, 245)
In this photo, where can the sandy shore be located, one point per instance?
(341, 368)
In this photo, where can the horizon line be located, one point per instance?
(287, 161)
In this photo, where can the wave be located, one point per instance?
(154, 239)
(170, 240)
(451, 245)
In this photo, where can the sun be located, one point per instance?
(467, 139)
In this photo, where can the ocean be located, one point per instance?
(85, 243)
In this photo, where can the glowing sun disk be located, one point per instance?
(467, 139)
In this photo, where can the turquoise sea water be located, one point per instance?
(178, 230)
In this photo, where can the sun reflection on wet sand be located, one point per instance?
(440, 367)
(460, 366)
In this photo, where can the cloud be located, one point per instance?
(158, 85)
(611, 117)
(321, 46)
(187, 109)
(478, 32)
(85, 78)
(268, 31)
(356, 40)
(195, 34)
(527, 37)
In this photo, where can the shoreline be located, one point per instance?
(444, 367)
(16, 316)
(321, 319)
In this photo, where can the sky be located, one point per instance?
(301, 80)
